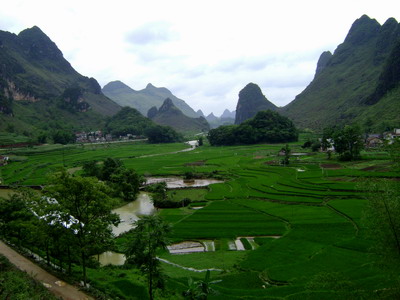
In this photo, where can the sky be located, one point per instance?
(205, 51)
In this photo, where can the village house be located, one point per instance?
(4, 160)
(391, 136)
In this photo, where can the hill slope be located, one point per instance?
(38, 85)
(251, 100)
(347, 86)
(170, 115)
(144, 99)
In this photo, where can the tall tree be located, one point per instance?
(348, 142)
(149, 236)
(84, 207)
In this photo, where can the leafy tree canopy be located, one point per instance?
(266, 127)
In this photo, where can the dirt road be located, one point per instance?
(56, 286)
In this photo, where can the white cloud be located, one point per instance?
(206, 51)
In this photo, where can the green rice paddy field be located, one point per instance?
(305, 218)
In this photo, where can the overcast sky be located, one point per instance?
(205, 51)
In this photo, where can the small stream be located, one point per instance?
(132, 211)
(178, 182)
(143, 205)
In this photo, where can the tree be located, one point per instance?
(125, 183)
(265, 127)
(149, 236)
(327, 136)
(199, 290)
(91, 168)
(16, 220)
(84, 207)
(348, 142)
(162, 134)
(110, 166)
(286, 150)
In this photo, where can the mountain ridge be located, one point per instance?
(144, 99)
(343, 83)
(251, 100)
(38, 83)
(169, 115)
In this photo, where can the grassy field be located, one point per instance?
(313, 208)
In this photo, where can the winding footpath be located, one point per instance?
(56, 286)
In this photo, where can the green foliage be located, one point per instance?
(15, 284)
(71, 99)
(85, 200)
(337, 95)
(162, 134)
(149, 236)
(123, 182)
(63, 137)
(382, 219)
(348, 142)
(286, 151)
(265, 127)
(199, 290)
(128, 120)
(16, 220)
(390, 77)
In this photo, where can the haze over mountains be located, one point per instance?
(144, 99)
(359, 82)
(169, 115)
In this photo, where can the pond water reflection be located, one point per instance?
(131, 212)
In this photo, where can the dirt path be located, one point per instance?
(56, 286)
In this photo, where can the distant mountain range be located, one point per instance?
(41, 91)
(144, 99)
(227, 118)
(169, 115)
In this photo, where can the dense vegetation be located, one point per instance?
(364, 64)
(41, 92)
(15, 284)
(306, 220)
(130, 121)
(265, 127)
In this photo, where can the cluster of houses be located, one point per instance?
(375, 140)
(100, 137)
(92, 137)
(4, 160)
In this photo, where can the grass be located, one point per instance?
(15, 284)
(317, 212)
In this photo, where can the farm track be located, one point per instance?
(56, 286)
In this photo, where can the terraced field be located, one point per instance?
(314, 206)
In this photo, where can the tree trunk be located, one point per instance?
(84, 268)
(69, 260)
(150, 285)
(47, 254)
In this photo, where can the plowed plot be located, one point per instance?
(331, 166)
